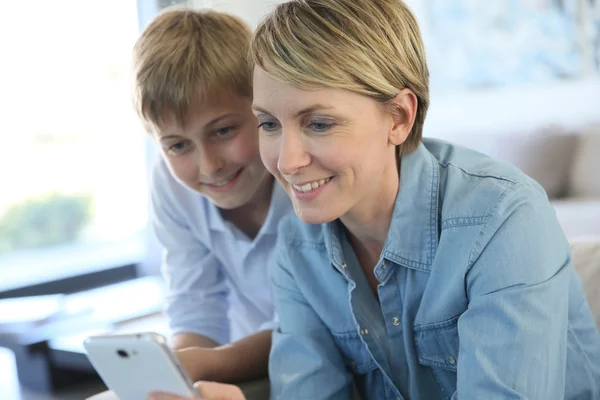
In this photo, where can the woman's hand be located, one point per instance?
(207, 391)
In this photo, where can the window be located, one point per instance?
(73, 170)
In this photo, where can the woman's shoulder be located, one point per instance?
(496, 213)
(468, 162)
(473, 183)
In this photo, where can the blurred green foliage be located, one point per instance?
(44, 221)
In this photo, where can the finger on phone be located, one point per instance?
(166, 396)
(218, 391)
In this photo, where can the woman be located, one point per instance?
(416, 268)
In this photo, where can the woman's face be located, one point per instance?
(332, 150)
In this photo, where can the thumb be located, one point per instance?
(162, 396)
(167, 396)
(219, 391)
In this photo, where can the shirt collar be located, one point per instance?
(413, 235)
(280, 206)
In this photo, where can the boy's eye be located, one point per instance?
(224, 131)
(178, 148)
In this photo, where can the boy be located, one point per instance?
(215, 206)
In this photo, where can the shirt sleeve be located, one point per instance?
(513, 336)
(270, 325)
(305, 362)
(197, 294)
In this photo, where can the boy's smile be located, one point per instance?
(225, 184)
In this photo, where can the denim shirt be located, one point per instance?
(478, 298)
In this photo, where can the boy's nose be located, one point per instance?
(210, 162)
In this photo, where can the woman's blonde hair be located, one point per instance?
(370, 47)
(185, 55)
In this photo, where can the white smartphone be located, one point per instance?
(133, 365)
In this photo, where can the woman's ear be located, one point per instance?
(404, 113)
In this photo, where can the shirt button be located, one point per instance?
(451, 360)
(344, 265)
(364, 332)
(395, 321)
(384, 265)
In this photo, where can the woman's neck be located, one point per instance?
(368, 223)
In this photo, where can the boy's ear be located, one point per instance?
(404, 113)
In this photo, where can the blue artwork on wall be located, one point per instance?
(474, 43)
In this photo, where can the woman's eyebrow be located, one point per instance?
(306, 110)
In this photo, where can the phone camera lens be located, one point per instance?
(122, 353)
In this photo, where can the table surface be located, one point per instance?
(10, 389)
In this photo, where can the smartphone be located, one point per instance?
(133, 365)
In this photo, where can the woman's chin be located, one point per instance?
(312, 216)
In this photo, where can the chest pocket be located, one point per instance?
(355, 353)
(437, 347)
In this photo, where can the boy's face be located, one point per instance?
(216, 152)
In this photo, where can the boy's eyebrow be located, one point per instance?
(218, 119)
(306, 110)
(214, 121)
(168, 137)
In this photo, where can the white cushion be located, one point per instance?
(586, 259)
(585, 172)
(578, 217)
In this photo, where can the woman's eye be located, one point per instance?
(321, 126)
(268, 126)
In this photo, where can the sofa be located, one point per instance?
(551, 132)
(585, 252)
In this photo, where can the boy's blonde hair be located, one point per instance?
(185, 55)
(369, 47)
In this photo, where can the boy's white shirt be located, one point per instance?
(217, 278)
